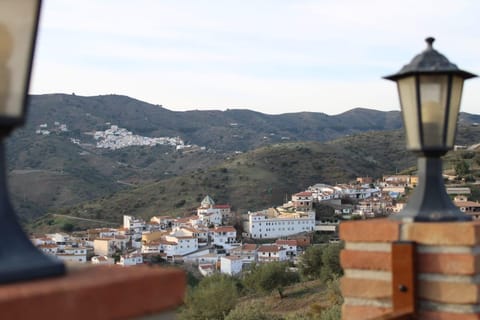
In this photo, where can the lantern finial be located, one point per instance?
(430, 41)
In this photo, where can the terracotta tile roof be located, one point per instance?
(303, 194)
(249, 247)
(47, 246)
(269, 248)
(206, 266)
(286, 242)
(190, 229)
(225, 229)
(233, 258)
(101, 258)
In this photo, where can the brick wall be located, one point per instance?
(447, 265)
(99, 292)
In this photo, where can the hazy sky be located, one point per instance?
(271, 56)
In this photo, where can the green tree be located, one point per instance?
(321, 262)
(67, 227)
(212, 299)
(269, 277)
(311, 262)
(331, 267)
(462, 168)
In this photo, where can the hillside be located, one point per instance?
(257, 179)
(228, 130)
(67, 174)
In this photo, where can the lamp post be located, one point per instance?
(430, 90)
(19, 259)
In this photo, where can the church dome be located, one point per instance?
(207, 202)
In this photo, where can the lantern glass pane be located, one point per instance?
(433, 101)
(408, 101)
(455, 98)
(17, 26)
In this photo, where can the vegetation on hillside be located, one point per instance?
(271, 291)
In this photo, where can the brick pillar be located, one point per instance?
(448, 268)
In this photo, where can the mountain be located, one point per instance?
(228, 130)
(65, 174)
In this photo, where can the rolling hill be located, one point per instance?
(253, 180)
(49, 172)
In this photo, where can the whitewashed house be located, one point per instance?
(61, 239)
(151, 247)
(290, 246)
(248, 252)
(224, 236)
(48, 248)
(201, 233)
(206, 269)
(107, 232)
(73, 254)
(164, 222)
(130, 259)
(175, 245)
(41, 240)
(102, 260)
(231, 265)
(271, 253)
(209, 216)
(132, 223)
(273, 223)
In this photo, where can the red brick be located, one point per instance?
(350, 312)
(104, 292)
(374, 230)
(448, 263)
(368, 260)
(365, 288)
(449, 292)
(445, 233)
(436, 315)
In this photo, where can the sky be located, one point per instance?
(271, 56)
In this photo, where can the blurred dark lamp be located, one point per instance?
(19, 258)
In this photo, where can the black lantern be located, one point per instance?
(430, 90)
(19, 259)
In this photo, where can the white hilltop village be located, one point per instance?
(118, 138)
(115, 138)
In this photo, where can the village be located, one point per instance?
(215, 239)
(115, 138)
